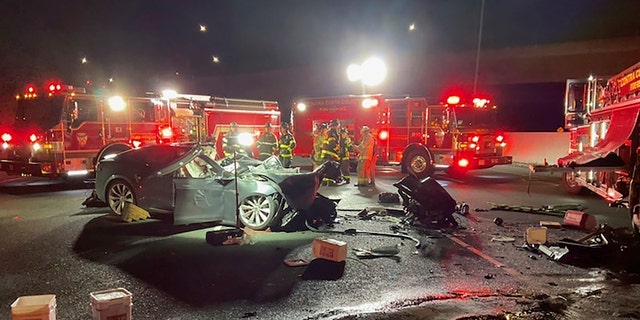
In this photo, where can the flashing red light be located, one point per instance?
(31, 89)
(6, 137)
(384, 135)
(453, 100)
(463, 163)
(475, 139)
(499, 138)
(166, 133)
(33, 137)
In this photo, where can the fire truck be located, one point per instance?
(419, 137)
(601, 114)
(62, 131)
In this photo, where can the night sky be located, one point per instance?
(137, 42)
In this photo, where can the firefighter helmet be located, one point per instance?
(285, 125)
(267, 125)
(234, 124)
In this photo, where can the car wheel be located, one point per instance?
(119, 193)
(257, 211)
(570, 183)
(419, 163)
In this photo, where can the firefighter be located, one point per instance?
(230, 141)
(345, 148)
(318, 141)
(331, 148)
(286, 146)
(267, 143)
(365, 158)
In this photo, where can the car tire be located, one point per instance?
(118, 193)
(419, 163)
(257, 211)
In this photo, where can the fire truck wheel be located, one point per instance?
(257, 211)
(419, 163)
(113, 148)
(570, 183)
(119, 192)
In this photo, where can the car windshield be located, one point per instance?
(476, 118)
(42, 113)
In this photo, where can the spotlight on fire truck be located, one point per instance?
(36, 146)
(301, 107)
(245, 139)
(369, 103)
(116, 103)
(169, 94)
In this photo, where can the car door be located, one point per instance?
(208, 197)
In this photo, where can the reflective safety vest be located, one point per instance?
(287, 143)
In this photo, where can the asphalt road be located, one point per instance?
(52, 244)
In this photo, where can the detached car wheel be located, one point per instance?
(119, 192)
(257, 211)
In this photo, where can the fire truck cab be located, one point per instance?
(59, 129)
(419, 137)
(62, 131)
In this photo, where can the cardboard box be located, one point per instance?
(580, 219)
(329, 249)
(536, 235)
(42, 307)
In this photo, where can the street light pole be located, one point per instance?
(475, 78)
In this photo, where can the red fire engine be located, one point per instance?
(420, 137)
(61, 131)
(601, 116)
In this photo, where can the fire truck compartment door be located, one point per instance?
(620, 129)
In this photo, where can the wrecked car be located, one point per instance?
(184, 182)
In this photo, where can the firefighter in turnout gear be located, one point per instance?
(230, 141)
(287, 143)
(331, 148)
(318, 142)
(267, 143)
(366, 158)
(346, 145)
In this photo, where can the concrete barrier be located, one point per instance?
(535, 147)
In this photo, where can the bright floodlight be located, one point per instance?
(301, 107)
(354, 72)
(373, 71)
(116, 103)
(245, 139)
(169, 94)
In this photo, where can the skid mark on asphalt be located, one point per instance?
(482, 255)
